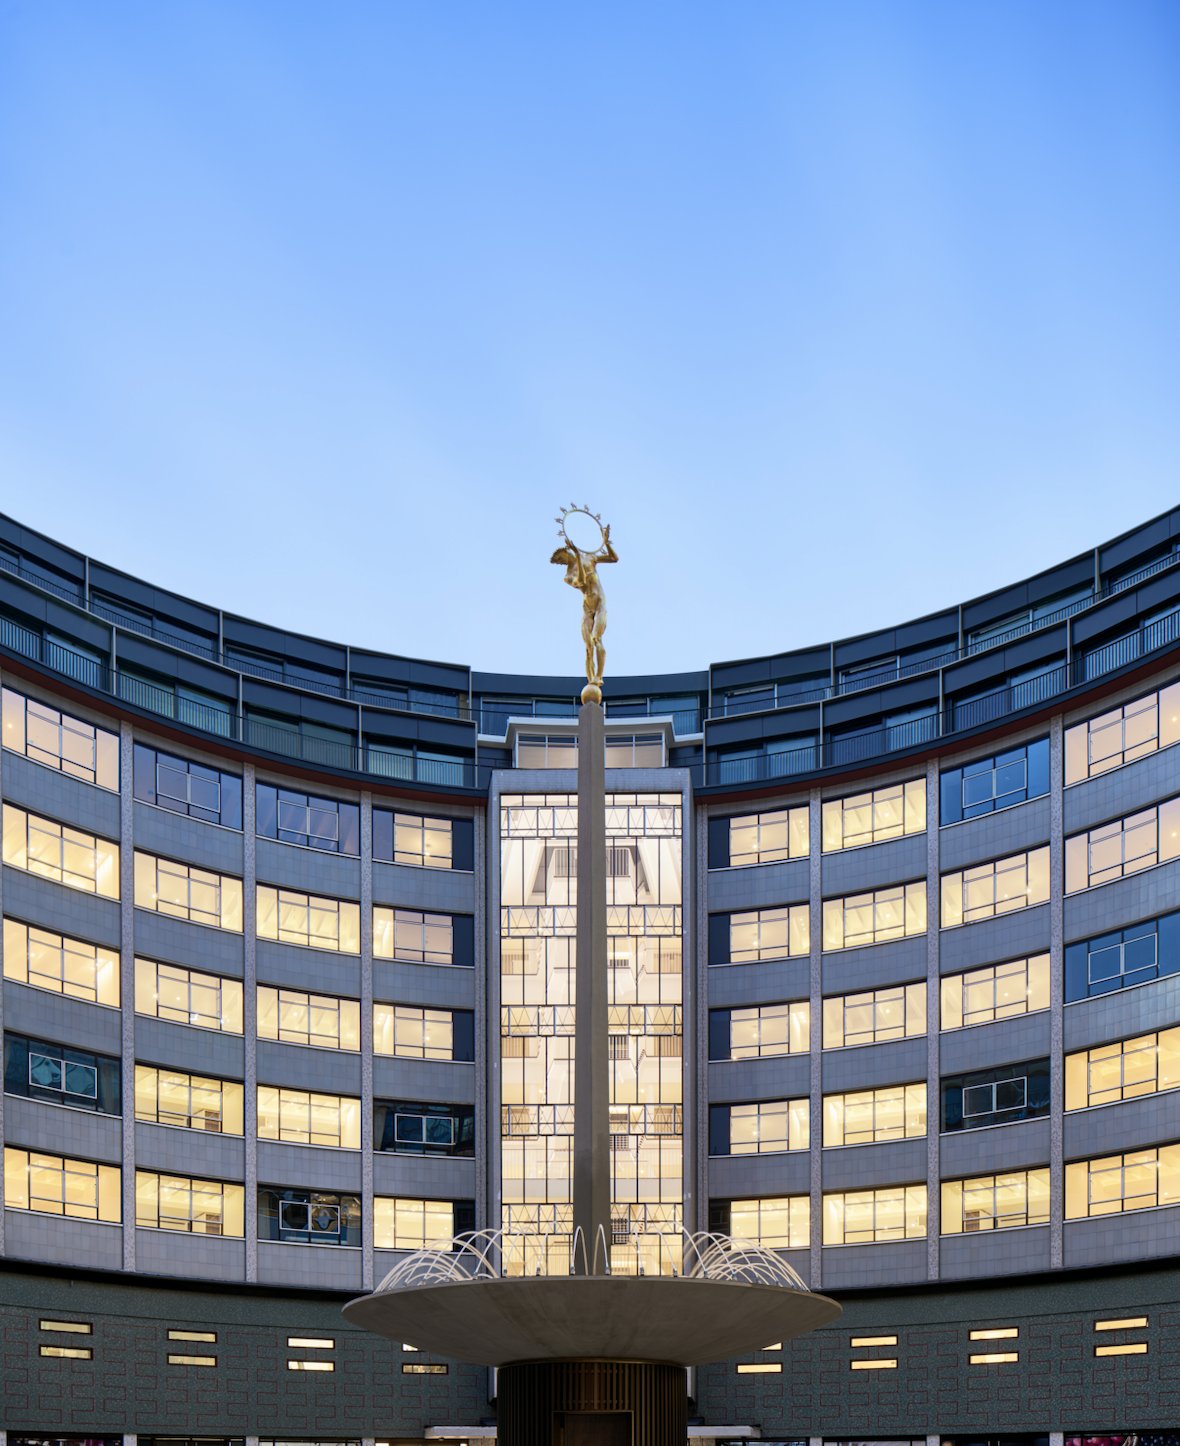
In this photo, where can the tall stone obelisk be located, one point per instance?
(592, 1163)
(592, 1159)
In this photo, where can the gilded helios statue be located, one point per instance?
(581, 571)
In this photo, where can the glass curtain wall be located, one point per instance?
(538, 925)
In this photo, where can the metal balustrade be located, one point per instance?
(383, 760)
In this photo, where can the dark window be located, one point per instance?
(719, 1034)
(186, 787)
(719, 1216)
(414, 1128)
(718, 1129)
(463, 1036)
(996, 1096)
(1136, 955)
(37, 1070)
(302, 818)
(988, 784)
(308, 1217)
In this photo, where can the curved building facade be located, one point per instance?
(287, 992)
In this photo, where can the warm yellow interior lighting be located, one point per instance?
(207, 1336)
(882, 1363)
(1124, 1323)
(759, 1368)
(1132, 1348)
(192, 1360)
(311, 1343)
(311, 1365)
(995, 1358)
(997, 1333)
(75, 1327)
(71, 1353)
(873, 1341)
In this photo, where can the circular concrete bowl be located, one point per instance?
(502, 1321)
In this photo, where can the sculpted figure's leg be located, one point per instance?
(599, 645)
(588, 639)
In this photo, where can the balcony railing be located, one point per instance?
(384, 760)
(774, 696)
(958, 716)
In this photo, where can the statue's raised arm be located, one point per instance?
(581, 572)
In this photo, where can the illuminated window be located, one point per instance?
(1122, 847)
(412, 1032)
(896, 1112)
(1122, 1323)
(761, 1128)
(308, 920)
(185, 892)
(995, 1202)
(46, 960)
(999, 991)
(55, 851)
(73, 1327)
(1122, 734)
(1127, 1348)
(60, 741)
(1114, 1184)
(186, 1360)
(327, 824)
(760, 1032)
(54, 1185)
(413, 935)
(311, 1343)
(420, 842)
(874, 1363)
(774, 1224)
(424, 1368)
(186, 996)
(866, 818)
(197, 1337)
(1123, 1070)
(1016, 882)
(191, 1102)
(300, 1117)
(860, 919)
(759, 1368)
(994, 1358)
(322, 1021)
(759, 838)
(861, 1216)
(898, 1012)
(863, 1342)
(198, 1207)
(68, 1353)
(994, 1333)
(783, 933)
(323, 1366)
(402, 1224)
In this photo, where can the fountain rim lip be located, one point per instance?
(642, 1282)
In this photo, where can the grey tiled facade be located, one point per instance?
(928, 1289)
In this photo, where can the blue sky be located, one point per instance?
(839, 312)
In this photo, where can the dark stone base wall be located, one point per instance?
(1057, 1384)
(128, 1386)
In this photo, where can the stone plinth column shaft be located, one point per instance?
(591, 1174)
